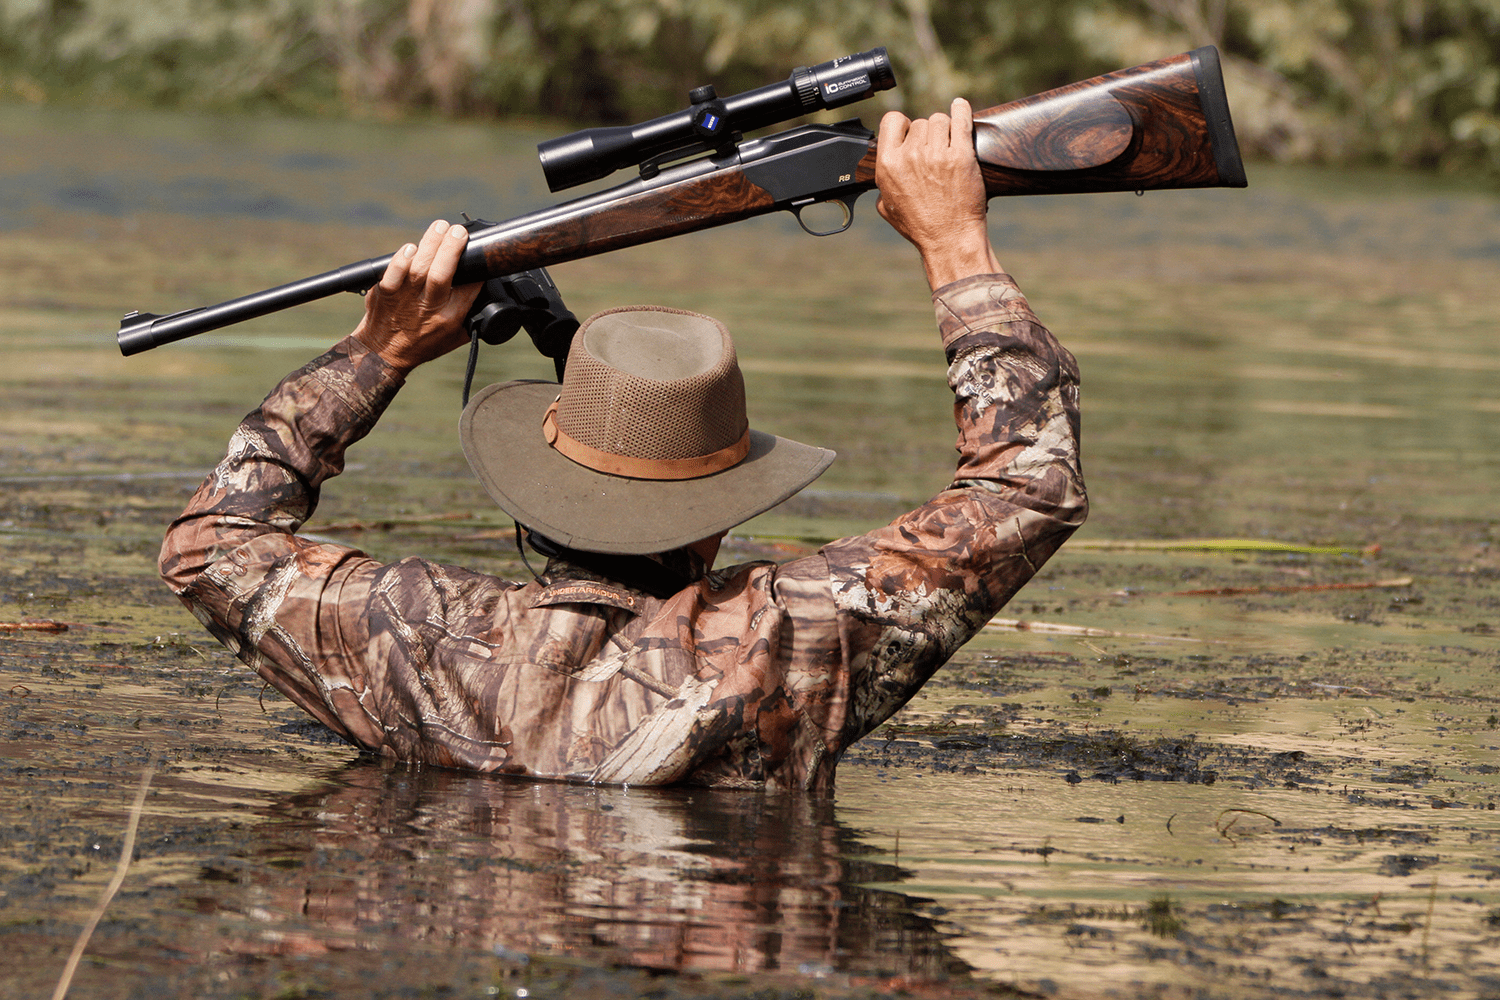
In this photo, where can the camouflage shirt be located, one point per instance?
(756, 675)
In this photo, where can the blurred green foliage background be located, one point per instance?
(1409, 83)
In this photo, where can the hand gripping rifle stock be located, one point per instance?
(1162, 125)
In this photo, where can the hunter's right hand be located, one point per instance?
(932, 193)
(415, 314)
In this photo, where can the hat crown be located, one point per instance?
(653, 383)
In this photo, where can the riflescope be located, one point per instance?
(712, 122)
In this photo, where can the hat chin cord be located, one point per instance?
(636, 571)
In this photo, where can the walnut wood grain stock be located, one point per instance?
(1140, 129)
(714, 199)
(1161, 125)
(1072, 130)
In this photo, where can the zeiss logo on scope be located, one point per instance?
(710, 121)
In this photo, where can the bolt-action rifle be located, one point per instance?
(1162, 125)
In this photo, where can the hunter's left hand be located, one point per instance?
(415, 314)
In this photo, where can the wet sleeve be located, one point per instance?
(911, 593)
(290, 607)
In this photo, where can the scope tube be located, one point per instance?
(593, 153)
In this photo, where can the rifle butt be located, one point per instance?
(1161, 125)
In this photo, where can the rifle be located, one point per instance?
(1161, 125)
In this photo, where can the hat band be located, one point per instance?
(641, 468)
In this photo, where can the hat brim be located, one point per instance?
(501, 431)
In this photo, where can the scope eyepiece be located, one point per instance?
(844, 80)
(711, 122)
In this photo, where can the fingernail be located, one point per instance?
(456, 232)
(440, 225)
(409, 250)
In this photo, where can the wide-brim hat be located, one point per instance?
(645, 446)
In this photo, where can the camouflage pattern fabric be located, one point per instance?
(757, 675)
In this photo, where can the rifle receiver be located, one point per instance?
(713, 122)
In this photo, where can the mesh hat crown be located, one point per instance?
(651, 394)
(646, 445)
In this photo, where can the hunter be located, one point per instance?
(630, 659)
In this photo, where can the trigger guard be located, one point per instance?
(845, 202)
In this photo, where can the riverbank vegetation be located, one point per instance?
(1408, 83)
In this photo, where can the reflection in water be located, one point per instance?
(660, 879)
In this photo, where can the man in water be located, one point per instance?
(630, 659)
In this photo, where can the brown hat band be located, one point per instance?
(641, 468)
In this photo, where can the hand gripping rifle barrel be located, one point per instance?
(713, 123)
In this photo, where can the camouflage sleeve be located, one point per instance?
(272, 597)
(910, 594)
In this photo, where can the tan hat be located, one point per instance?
(643, 448)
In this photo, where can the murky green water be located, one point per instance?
(1271, 792)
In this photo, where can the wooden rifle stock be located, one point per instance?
(1162, 125)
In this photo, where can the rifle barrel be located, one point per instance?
(143, 331)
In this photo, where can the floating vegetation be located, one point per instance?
(1162, 919)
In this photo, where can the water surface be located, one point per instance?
(1266, 792)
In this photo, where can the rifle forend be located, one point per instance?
(1162, 125)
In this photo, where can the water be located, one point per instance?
(1271, 792)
